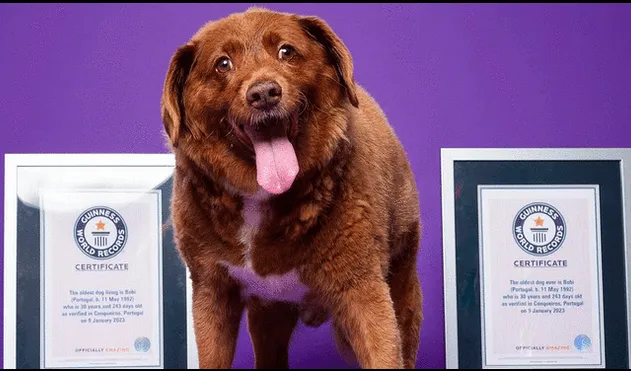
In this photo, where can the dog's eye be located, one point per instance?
(286, 52)
(224, 65)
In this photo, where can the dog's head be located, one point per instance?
(259, 97)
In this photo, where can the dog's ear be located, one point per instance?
(336, 50)
(172, 102)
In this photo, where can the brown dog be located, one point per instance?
(293, 197)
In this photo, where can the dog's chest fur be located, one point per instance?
(286, 287)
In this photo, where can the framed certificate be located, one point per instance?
(92, 278)
(535, 257)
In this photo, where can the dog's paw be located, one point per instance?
(312, 313)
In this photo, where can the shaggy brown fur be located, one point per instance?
(349, 225)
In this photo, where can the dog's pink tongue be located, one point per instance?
(276, 162)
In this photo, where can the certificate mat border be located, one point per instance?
(450, 155)
(11, 164)
(158, 200)
(601, 323)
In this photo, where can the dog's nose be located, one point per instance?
(264, 95)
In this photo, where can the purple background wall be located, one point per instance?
(530, 75)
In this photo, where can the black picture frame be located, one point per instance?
(463, 170)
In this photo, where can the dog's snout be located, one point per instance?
(264, 95)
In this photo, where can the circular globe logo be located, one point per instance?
(142, 344)
(100, 233)
(539, 229)
(582, 343)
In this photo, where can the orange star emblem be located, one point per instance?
(100, 226)
(539, 222)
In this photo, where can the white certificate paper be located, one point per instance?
(540, 273)
(101, 261)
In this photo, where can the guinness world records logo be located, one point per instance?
(539, 229)
(100, 232)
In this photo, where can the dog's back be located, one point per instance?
(381, 172)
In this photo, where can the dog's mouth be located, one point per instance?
(270, 139)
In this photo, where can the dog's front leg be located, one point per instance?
(366, 315)
(361, 308)
(217, 311)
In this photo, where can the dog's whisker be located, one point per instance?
(230, 131)
(304, 102)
